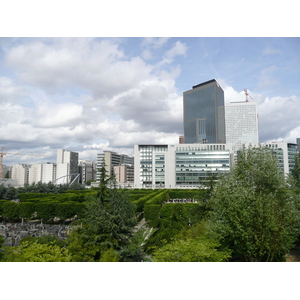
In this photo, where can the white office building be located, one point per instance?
(180, 165)
(285, 154)
(20, 172)
(241, 124)
(44, 173)
(67, 166)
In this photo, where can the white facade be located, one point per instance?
(20, 172)
(44, 173)
(35, 173)
(241, 124)
(67, 166)
(285, 153)
(180, 165)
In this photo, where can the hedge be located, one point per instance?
(152, 212)
(159, 199)
(141, 201)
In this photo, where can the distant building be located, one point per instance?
(124, 174)
(20, 172)
(241, 124)
(67, 166)
(6, 171)
(44, 173)
(285, 154)
(180, 165)
(204, 114)
(112, 159)
(181, 139)
(87, 170)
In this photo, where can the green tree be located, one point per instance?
(192, 245)
(10, 210)
(254, 210)
(35, 252)
(165, 229)
(295, 172)
(108, 220)
(2, 240)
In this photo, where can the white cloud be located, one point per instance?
(178, 49)
(90, 95)
(271, 50)
(154, 43)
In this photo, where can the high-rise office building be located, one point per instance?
(203, 114)
(42, 173)
(67, 166)
(241, 124)
(20, 172)
(87, 170)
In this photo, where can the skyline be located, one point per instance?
(93, 94)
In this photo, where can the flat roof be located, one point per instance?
(204, 83)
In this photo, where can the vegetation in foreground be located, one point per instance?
(250, 214)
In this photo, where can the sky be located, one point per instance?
(93, 94)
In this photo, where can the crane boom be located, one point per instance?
(2, 153)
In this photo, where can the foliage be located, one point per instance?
(191, 250)
(45, 210)
(192, 245)
(81, 246)
(295, 172)
(2, 240)
(10, 210)
(35, 252)
(133, 252)
(139, 203)
(205, 192)
(108, 221)
(111, 219)
(109, 255)
(46, 239)
(164, 231)
(26, 209)
(10, 193)
(254, 210)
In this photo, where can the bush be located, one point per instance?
(152, 212)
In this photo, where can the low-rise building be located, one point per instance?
(180, 165)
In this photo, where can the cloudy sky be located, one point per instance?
(93, 94)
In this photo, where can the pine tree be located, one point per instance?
(109, 218)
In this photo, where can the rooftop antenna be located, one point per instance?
(247, 95)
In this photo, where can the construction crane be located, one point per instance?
(247, 95)
(2, 153)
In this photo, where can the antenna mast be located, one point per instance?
(247, 95)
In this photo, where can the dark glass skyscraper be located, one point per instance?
(204, 114)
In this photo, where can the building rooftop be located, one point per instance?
(204, 83)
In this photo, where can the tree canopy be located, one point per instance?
(108, 220)
(254, 210)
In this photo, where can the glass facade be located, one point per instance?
(194, 166)
(204, 114)
(292, 151)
